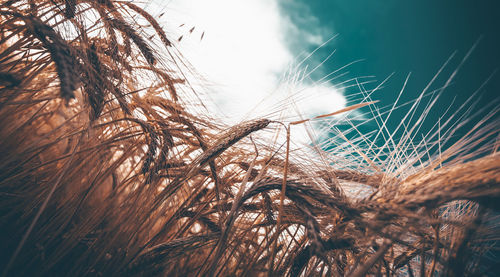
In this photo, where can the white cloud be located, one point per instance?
(244, 53)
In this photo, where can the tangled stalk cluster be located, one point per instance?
(110, 166)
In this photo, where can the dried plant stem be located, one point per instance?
(42, 208)
(363, 269)
(282, 200)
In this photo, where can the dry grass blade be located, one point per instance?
(364, 268)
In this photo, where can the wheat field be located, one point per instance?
(110, 165)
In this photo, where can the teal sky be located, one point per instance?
(401, 36)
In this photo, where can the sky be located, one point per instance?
(258, 50)
(402, 37)
(247, 57)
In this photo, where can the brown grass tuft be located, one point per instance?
(110, 166)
